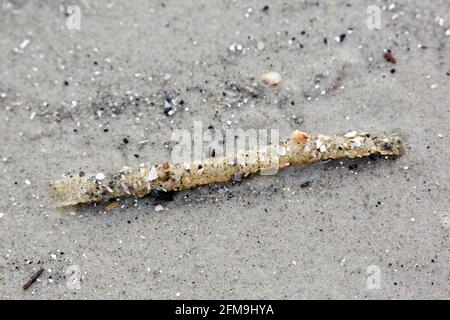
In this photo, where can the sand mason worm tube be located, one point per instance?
(300, 148)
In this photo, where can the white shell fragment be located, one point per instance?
(318, 144)
(260, 45)
(351, 134)
(281, 150)
(24, 43)
(153, 174)
(357, 142)
(100, 176)
(271, 79)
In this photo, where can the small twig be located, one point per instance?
(33, 279)
(299, 149)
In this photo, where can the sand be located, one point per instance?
(92, 100)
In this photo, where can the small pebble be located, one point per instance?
(340, 38)
(237, 177)
(235, 47)
(271, 79)
(260, 45)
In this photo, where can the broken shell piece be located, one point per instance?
(153, 174)
(357, 142)
(100, 176)
(351, 134)
(299, 136)
(318, 144)
(271, 79)
(281, 150)
(112, 205)
(260, 45)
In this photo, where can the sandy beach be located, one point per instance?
(104, 84)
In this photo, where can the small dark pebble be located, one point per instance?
(305, 184)
(325, 40)
(387, 146)
(392, 70)
(265, 8)
(167, 109)
(66, 83)
(162, 195)
(125, 140)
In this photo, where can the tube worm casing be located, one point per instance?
(300, 148)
